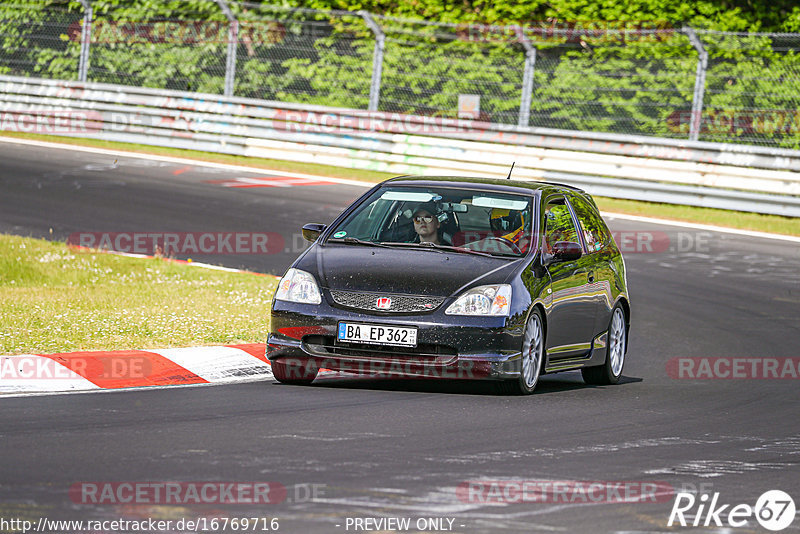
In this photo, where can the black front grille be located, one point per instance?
(399, 303)
(329, 346)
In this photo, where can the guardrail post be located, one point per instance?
(699, 82)
(86, 37)
(233, 42)
(377, 60)
(527, 78)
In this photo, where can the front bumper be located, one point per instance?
(448, 347)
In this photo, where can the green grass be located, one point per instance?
(57, 299)
(732, 219)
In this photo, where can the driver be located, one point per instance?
(509, 225)
(427, 226)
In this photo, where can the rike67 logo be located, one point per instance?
(774, 511)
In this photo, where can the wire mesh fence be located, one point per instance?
(40, 40)
(303, 55)
(628, 78)
(147, 54)
(427, 66)
(612, 81)
(752, 88)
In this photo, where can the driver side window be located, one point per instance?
(558, 224)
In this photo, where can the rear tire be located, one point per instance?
(531, 358)
(294, 371)
(617, 344)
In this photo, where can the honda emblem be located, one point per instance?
(383, 303)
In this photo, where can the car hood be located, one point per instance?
(402, 270)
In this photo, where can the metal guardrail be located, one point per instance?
(726, 176)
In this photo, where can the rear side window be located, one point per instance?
(595, 232)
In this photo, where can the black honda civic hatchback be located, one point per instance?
(456, 278)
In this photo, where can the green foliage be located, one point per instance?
(725, 15)
(339, 76)
(36, 39)
(611, 82)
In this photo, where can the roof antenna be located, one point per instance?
(511, 170)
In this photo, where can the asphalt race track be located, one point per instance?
(348, 449)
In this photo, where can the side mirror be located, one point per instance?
(311, 231)
(566, 251)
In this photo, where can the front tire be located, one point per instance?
(611, 371)
(294, 371)
(531, 358)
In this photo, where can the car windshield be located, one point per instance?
(468, 221)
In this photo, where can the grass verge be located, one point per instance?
(57, 299)
(732, 219)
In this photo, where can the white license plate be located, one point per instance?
(377, 334)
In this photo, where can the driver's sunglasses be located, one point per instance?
(423, 218)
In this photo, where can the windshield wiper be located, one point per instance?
(410, 245)
(457, 249)
(357, 241)
(428, 244)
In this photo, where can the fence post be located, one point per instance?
(233, 42)
(377, 60)
(86, 37)
(699, 83)
(527, 78)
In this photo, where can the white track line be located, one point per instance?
(182, 262)
(182, 161)
(709, 227)
(186, 161)
(124, 390)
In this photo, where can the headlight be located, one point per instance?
(483, 300)
(298, 286)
